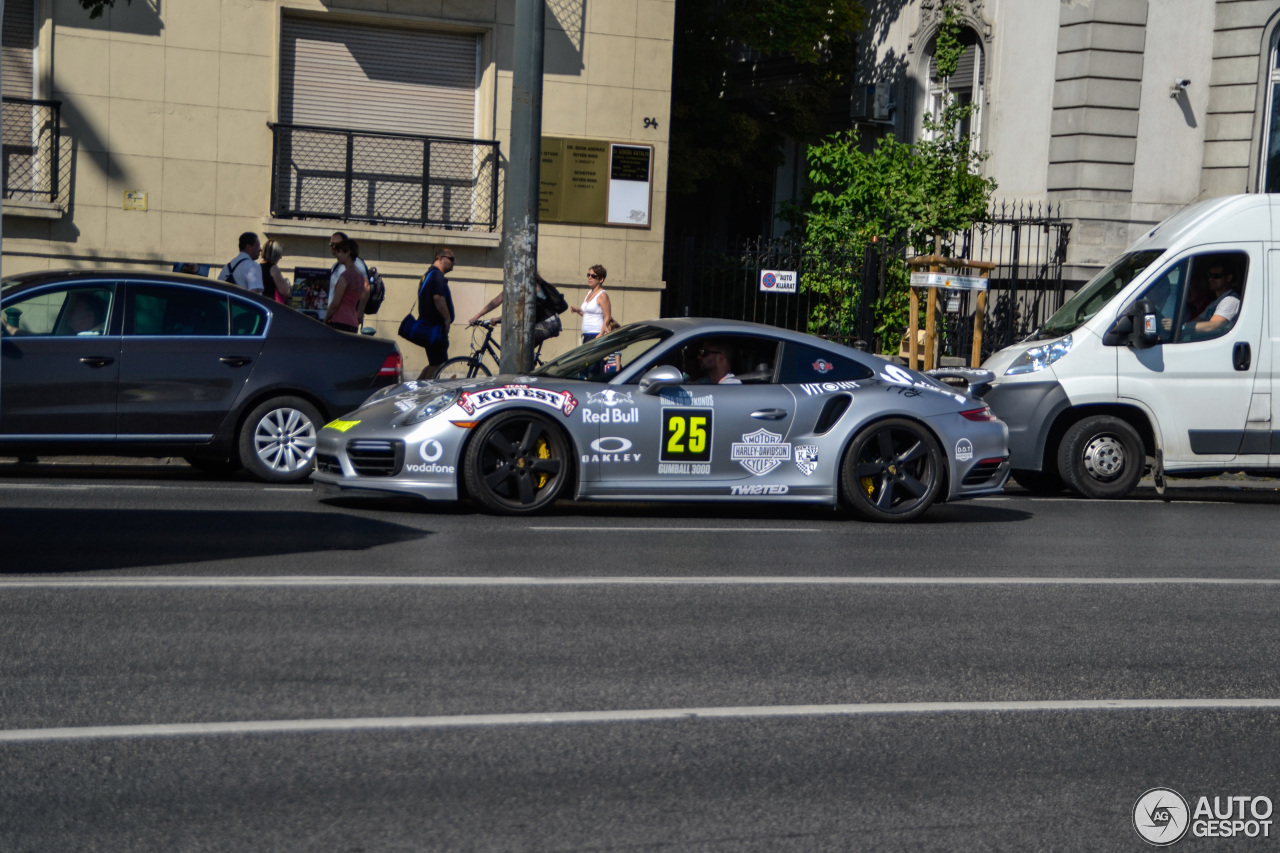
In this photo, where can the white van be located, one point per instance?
(1165, 359)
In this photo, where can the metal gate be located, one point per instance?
(1027, 242)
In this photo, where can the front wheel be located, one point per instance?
(1101, 457)
(892, 470)
(517, 463)
(278, 440)
(462, 367)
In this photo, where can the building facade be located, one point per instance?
(1123, 111)
(155, 135)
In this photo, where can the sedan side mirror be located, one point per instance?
(660, 377)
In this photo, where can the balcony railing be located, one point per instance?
(35, 169)
(387, 178)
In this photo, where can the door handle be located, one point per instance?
(1241, 356)
(235, 360)
(96, 360)
(770, 414)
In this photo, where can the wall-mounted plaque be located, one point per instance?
(593, 182)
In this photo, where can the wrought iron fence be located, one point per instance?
(367, 176)
(35, 167)
(1027, 242)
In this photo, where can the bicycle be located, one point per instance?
(471, 366)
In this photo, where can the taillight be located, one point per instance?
(983, 414)
(393, 366)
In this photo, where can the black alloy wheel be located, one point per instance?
(892, 470)
(517, 462)
(462, 367)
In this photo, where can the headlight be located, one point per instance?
(1038, 358)
(432, 407)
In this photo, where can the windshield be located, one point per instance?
(605, 357)
(1097, 293)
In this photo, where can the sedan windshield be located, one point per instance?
(605, 357)
(1081, 308)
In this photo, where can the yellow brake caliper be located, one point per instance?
(544, 452)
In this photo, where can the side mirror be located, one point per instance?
(1121, 331)
(1146, 324)
(660, 377)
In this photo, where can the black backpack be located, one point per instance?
(554, 298)
(377, 292)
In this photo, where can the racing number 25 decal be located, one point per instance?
(686, 435)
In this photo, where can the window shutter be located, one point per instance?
(361, 77)
(17, 52)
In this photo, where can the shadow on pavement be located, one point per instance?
(44, 541)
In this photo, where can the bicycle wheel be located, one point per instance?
(462, 367)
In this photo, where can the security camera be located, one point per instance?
(1180, 85)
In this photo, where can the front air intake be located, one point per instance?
(376, 458)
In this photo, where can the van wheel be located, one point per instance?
(517, 463)
(1101, 457)
(278, 440)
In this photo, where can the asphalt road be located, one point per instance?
(190, 663)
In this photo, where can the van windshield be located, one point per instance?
(1080, 308)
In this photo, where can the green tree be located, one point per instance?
(911, 197)
(749, 73)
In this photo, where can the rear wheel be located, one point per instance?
(278, 440)
(1101, 457)
(462, 367)
(892, 470)
(1039, 482)
(517, 463)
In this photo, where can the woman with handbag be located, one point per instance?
(346, 311)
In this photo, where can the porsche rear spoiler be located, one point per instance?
(977, 381)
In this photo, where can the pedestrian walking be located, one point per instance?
(595, 309)
(335, 271)
(435, 312)
(243, 270)
(274, 284)
(346, 310)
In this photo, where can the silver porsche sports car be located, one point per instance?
(649, 413)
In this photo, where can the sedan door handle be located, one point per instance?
(235, 360)
(770, 414)
(97, 360)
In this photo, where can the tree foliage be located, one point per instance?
(727, 123)
(907, 196)
(97, 7)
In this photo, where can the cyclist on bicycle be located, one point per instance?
(546, 310)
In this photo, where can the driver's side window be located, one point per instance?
(1199, 298)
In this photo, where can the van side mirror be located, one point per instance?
(1120, 332)
(1146, 324)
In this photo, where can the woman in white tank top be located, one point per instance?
(596, 311)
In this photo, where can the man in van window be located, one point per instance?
(1222, 311)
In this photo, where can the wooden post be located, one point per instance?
(913, 329)
(979, 319)
(931, 325)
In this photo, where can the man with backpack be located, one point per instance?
(549, 304)
(243, 269)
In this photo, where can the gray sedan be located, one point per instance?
(640, 415)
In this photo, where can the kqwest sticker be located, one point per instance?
(471, 401)
(760, 451)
